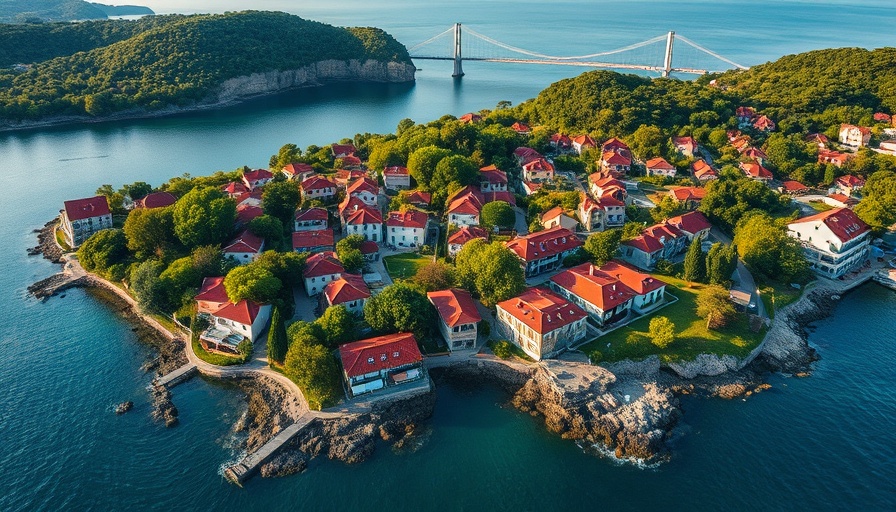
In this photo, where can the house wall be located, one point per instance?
(354, 306)
(309, 225)
(644, 303)
(638, 257)
(824, 251)
(535, 345)
(78, 231)
(405, 236)
(315, 285)
(242, 258)
(319, 193)
(372, 232)
(397, 182)
(463, 219)
(366, 197)
(464, 337)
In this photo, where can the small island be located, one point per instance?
(597, 282)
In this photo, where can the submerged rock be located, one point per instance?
(124, 407)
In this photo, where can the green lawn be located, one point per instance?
(777, 295)
(406, 265)
(692, 336)
(60, 239)
(215, 358)
(820, 206)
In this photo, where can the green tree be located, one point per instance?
(603, 246)
(339, 326)
(631, 230)
(252, 282)
(209, 261)
(878, 205)
(435, 276)
(113, 197)
(727, 201)
(497, 213)
(150, 232)
(721, 261)
(452, 173)
(145, 284)
(490, 270)
(277, 341)
(285, 266)
(764, 246)
(271, 229)
(662, 331)
(179, 282)
(647, 141)
(348, 250)
(136, 190)
(105, 253)
(280, 200)
(288, 154)
(422, 164)
(401, 307)
(314, 369)
(695, 262)
(204, 216)
(714, 305)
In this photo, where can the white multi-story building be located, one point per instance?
(459, 317)
(835, 242)
(320, 269)
(83, 217)
(541, 323)
(406, 229)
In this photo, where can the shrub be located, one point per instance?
(245, 349)
(662, 331)
(503, 349)
(484, 328)
(596, 356)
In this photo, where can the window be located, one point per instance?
(369, 360)
(383, 357)
(395, 354)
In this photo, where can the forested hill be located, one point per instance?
(181, 62)
(21, 11)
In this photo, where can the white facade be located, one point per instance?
(463, 219)
(826, 254)
(397, 182)
(252, 331)
(315, 285)
(536, 345)
(76, 232)
(371, 232)
(401, 236)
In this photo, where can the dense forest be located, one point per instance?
(31, 11)
(181, 62)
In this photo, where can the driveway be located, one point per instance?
(520, 225)
(743, 279)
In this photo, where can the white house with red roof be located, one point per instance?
(419, 199)
(348, 290)
(311, 219)
(406, 229)
(235, 189)
(755, 171)
(838, 200)
(615, 161)
(344, 176)
(557, 217)
(690, 195)
(693, 224)
(848, 184)
(664, 240)
(581, 143)
(703, 171)
(463, 209)
(321, 268)
(793, 188)
(459, 238)
(674, 240)
(318, 187)
(257, 178)
(245, 248)
(229, 323)
(245, 213)
(396, 178)
(835, 242)
(521, 128)
(544, 251)
(600, 214)
(835, 158)
(365, 189)
(343, 150)
(363, 220)
(492, 179)
(855, 136)
(601, 185)
(660, 167)
(560, 142)
(643, 251)
(315, 241)
(819, 139)
(459, 317)
(686, 146)
(380, 362)
(649, 291)
(81, 218)
(155, 200)
(602, 296)
(525, 155)
(298, 171)
(764, 124)
(538, 171)
(212, 296)
(541, 322)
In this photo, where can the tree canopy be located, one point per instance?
(204, 216)
(490, 270)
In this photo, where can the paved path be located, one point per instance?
(745, 281)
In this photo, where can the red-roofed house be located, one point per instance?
(370, 250)
(245, 248)
(756, 154)
(582, 142)
(690, 195)
(882, 117)
(693, 224)
(849, 184)
(643, 251)
(649, 291)
(793, 188)
(383, 361)
(464, 208)
(257, 178)
(560, 142)
(406, 229)
(246, 212)
(557, 217)
(470, 118)
(365, 189)
(660, 167)
(544, 251)
(81, 218)
(745, 116)
(396, 178)
(764, 124)
(703, 171)
(155, 200)
(819, 139)
(320, 269)
(541, 323)
(492, 179)
(756, 172)
(687, 146)
(602, 213)
(855, 136)
(349, 290)
(212, 296)
(833, 157)
(344, 176)
(363, 220)
(318, 187)
(343, 150)
(840, 201)
(465, 234)
(521, 128)
(320, 240)
(235, 189)
(298, 171)
(835, 242)
(538, 171)
(619, 161)
(420, 199)
(601, 185)
(674, 240)
(459, 316)
(351, 162)
(311, 219)
(614, 144)
(229, 323)
(525, 155)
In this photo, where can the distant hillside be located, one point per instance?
(29, 11)
(182, 61)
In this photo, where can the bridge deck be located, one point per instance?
(587, 64)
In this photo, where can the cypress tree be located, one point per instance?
(277, 345)
(694, 263)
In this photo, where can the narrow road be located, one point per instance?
(745, 281)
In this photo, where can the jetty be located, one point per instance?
(182, 374)
(241, 471)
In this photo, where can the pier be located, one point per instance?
(182, 374)
(241, 471)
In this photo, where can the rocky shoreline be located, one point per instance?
(240, 89)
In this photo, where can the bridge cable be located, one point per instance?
(714, 54)
(553, 57)
(431, 39)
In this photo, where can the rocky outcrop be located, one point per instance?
(316, 74)
(46, 243)
(708, 365)
(270, 410)
(786, 348)
(162, 408)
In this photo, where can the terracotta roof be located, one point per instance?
(544, 244)
(212, 290)
(552, 213)
(418, 197)
(664, 230)
(297, 168)
(794, 186)
(364, 184)
(364, 215)
(317, 183)
(468, 204)
(78, 209)
(764, 123)
(687, 142)
(745, 112)
(702, 169)
(645, 243)
(470, 118)
(538, 164)
(542, 310)
(498, 195)
(246, 212)
(396, 171)
(844, 199)
(456, 307)
(817, 138)
(234, 188)
(880, 116)
(322, 264)
(863, 130)
(688, 193)
(379, 353)
(843, 222)
(247, 242)
(347, 288)
(659, 163)
(350, 204)
(520, 127)
(592, 285)
(639, 282)
(467, 233)
(560, 139)
(312, 238)
(351, 160)
(756, 171)
(156, 200)
(755, 153)
(342, 149)
(492, 174)
(243, 312)
(369, 247)
(851, 181)
(615, 158)
(343, 176)
(526, 155)
(312, 214)
(584, 140)
(615, 144)
(691, 222)
(257, 174)
(408, 219)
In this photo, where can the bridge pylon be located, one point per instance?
(667, 62)
(458, 59)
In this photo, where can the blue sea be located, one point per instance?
(826, 442)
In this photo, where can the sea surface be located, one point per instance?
(826, 442)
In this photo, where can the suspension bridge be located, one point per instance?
(457, 44)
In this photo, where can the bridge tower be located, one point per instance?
(458, 60)
(667, 62)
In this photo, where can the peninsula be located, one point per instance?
(599, 251)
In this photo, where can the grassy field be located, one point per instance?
(406, 265)
(777, 295)
(820, 206)
(215, 358)
(692, 336)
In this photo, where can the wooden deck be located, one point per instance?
(182, 374)
(238, 473)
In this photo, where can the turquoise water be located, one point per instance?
(826, 442)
